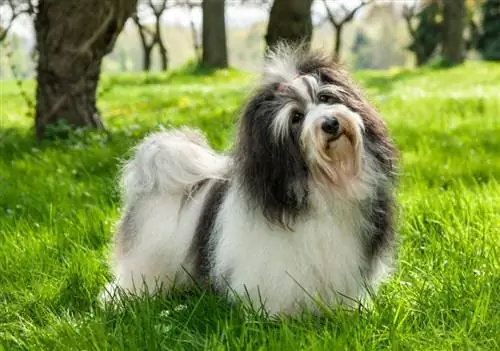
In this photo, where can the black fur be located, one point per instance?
(205, 229)
(272, 171)
(380, 210)
(379, 238)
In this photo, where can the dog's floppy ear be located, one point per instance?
(272, 173)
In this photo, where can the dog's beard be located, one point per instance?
(335, 161)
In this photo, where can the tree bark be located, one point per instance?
(453, 31)
(290, 21)
(73, 36)
(214, 34)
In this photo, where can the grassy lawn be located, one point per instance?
(58, 203)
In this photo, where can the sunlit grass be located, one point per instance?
(58, 203)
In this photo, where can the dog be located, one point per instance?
(300, 213)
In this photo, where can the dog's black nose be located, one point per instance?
(330, 125)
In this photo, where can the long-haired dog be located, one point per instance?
(302, 209)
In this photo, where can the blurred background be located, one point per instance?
(374, 34)
(66, 45)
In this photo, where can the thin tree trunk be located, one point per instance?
(161, 46)
(146, 57)
(290, 21)
(421, 58)
(73, 36)
(164, 57)
(338, 42)
(146, 45)
(453, 31)
(214, 34)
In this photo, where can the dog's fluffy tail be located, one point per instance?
(170, 162)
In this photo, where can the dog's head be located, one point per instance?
(306, 125)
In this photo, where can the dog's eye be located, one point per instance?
(297, 117)
(328, 99)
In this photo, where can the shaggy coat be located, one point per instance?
(302, 209)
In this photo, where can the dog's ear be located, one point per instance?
(272, 173)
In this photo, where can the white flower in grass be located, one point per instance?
(180, 308)
(164, 313)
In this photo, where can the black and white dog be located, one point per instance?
(303, 208)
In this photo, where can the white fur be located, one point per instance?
(284, 270)
(167, 162)
(164, 168)
(280, 66)
(282, 120)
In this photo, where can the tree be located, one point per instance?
(214, 34)
(453, 42)
(73, 36)
(489, 40)
(426, 35)
(290, 20)
(151, 37)
(17, 8)
(342, 16)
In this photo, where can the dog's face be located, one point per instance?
(313, 113)
(306, 125)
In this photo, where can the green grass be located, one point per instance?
(58, 203)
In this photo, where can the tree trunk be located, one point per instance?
(290, 21)
(488, 41)
(421, 57)
(73, 36)
(146, 45)
(146, 57)
(453, 31)
(162, 49)
(164, 57)
(214, 34)
(338, 42)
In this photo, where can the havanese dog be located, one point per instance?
(301, 211)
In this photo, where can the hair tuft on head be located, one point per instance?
(281, 63)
